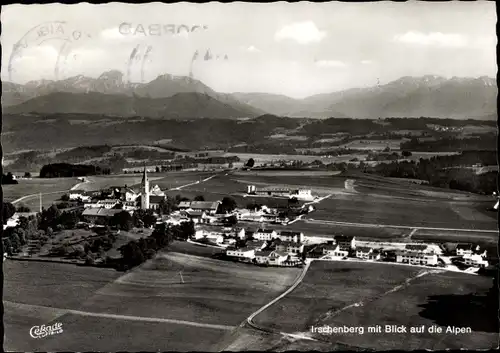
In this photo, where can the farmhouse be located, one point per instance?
(122, 193)
(367, 253)
(243, 253)
(108, 203)
(209, 207)
(465, 249)
(302, 194)
(156, 191)
(268, 257)
(264, 234)
(296, 237)
(475, 260)
(80, 195)
(416, 257)
(335, 250)
(345, 241)
(198, 216)
(93, 214)
(290, 248)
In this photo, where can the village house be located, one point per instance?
(290, 248)
(80, 195)
(257, 245)
(268, 257)
(209, 207)
(156, 191)
(335, 250)
(93, 214)
(345, 241)
(416, 257)
(108, 203)
(466, 249)
(122, 193)
(242, 253)
(264, 234)
(296, 237)
(475, 260)
(302, 194)
(367, 253)
(129, 205)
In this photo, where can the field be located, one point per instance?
(361, 295)
(216, 296)
(374, 144)
(35, 186)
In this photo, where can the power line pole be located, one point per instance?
(182, 279)
(40, 202)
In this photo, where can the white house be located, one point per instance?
(107, 204)
(243, 253)
(334, 250)
(79, 195)
(264, 234)
(302, 194)
(296, 237)
(290, 248)
(367, 253)
(416, 257)
(239, 233)
(475, 260)
(466, 249)
(156, 191)
(268, 257)
(345, 241)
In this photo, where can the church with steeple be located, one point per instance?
(145, 190)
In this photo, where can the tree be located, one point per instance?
(406, 154)
(8, 211)
(199, 198)
(166, 205)
(227, 205)
(144, 217)
(387, 149)
(27, 175)
(250, 163)
(157, 169)
(231, 220)
(23, 208)
(162, 235)
(122, 220)
(132, 254)
(65, 197)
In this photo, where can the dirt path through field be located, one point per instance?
(60, 312)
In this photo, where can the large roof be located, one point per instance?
(100, 212)
(204, 205)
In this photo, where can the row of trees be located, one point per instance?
(432, 170)
(452, 144)
(8, 179)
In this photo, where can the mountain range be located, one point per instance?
(182, 97)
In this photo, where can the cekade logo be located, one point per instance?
(44, 331)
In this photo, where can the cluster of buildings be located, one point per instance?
(299, 194)
(471, 255)
(106, 203)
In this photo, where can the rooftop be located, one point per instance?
(263, 253)
(290, 243)
(100, 212)
(364, 248)
(266, 231)
(343, 238)
(464, 246)
(417, 247)
(289, 233)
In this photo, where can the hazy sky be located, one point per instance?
(293, 49)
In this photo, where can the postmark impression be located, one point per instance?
(58, 33)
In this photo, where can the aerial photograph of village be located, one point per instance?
(250, 177)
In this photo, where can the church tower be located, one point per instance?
(145, 191)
